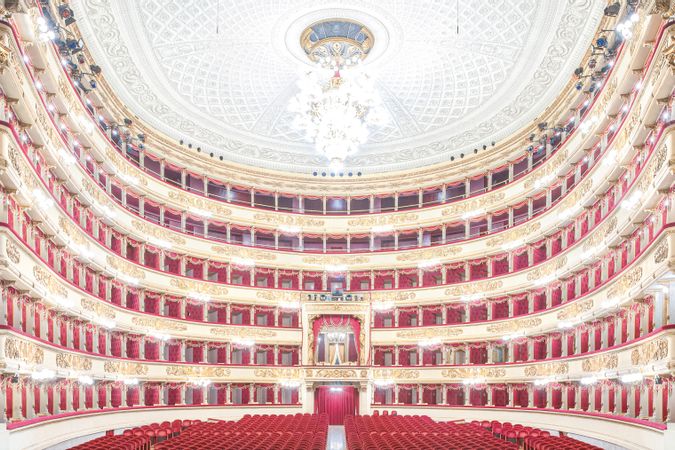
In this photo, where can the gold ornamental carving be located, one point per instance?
(396, 374)
(157, 232)
(512, 326)
(431, 253)
(97, 307)
(661, 253)
(507, 237)
(547, 269)
(429, 333)
(126, 268)
(248, 253)
(478, 372)
(188, 201)
(547, 171)
(279, 373)
(625, 283)
(198, 287)
(599, 363)
(124, 170)
(380, 296)
(276, 295)
(547, 370)
(343, 307)
(74, 362)
(72, 232)
(649, 174)
(290, 220)
(335, 260)
(651, 351)
(49, 281)
(125, 368)
(242, 332)
(25, 351)
(158, 324)
(12, 252)
(95, 193)
(196, 371)
(575, 309)
(374, 221)
(476, 204)
(474, 288)
(331, 373)
(600, 234)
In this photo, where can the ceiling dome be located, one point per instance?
(453, 77)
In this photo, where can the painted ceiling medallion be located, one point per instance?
(446, 92)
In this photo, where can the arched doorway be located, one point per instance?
(337, 401)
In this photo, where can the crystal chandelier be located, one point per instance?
(337, 103)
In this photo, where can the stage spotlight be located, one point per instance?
(66, 14)
(613, 9)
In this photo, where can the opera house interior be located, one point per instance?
(362, 225)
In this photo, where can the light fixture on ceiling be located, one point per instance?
(338, 103)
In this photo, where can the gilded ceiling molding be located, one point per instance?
(242, 332)
(429, 333)
(49, 281)
(147, 230)
(158, 324)
(125, 267)
(192, 201)
(547, 369)
(71, 361)
(279, 373)
(396, 374)
(98, 307)
(575, 309)
(655, 350)
(25, 351)
(600, 362)
(199, 287)
(476, 372)
(125, 368)
(196, 371)
(474, 288)
(513, 325)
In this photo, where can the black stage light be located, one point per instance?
(66, 14)
(613, 9)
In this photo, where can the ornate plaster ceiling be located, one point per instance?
(220, 73)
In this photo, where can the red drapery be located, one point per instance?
(336, 401)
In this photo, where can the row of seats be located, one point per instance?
(255, 432)
(556, 443)
(521, 435)
(139, 438)
(393, 432)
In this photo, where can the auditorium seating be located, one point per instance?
(262, 432)
(556, 443)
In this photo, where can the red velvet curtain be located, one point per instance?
(336, 401)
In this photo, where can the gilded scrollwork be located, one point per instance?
(202, 287)
(148, 230)
(123, 169)
(291, 220)
(600, 234)
(513, 235)
(335, 260)
(650, 351)
(101, 309)
(74, 362)
(514, 325)
(331, 373)
(189, 201)
(396, 374)
(279, 373)
(125, 368)
(25, 351)
(430, 253)
(12, 252)
(547, 269)
(661, 253)
(478, 372)
(126, 268)
(236, 252)
(429, 333)
(49, 282)
(399, 296)
(474, 288)
(158, 324)
(625, 283)
(72, 232)
(393, 219)
(195, 371)
(242, 332)
(575, 309)
(600, 362)
(547, 370)
(475, 204)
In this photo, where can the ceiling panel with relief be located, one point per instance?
(220, 74)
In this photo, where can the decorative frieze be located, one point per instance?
(547, 269)
(396, 374)
(514, 325)
(473, 372)
(335, 260)
(49, 281)
(12, 252)
(575, 309)
(198, 287)
(242, 332)
(600, 362)
(97, 307)
(73, 362)
(661, 252)
(600, 234)
(158, 324)
(196, 203)
(429, 333)
(507, 237)
(335, 373)
(123, 169)
(126, 268)
(648, 352)
(547, 370)
(624, 284)
(25, 351)
(474, 288)
(398, 296)
(125, 368)
(196, 371)
(75, 235)
(148, 230)
(290, 220)
(278, 373)
(474, 204)
(381, 220)
(244, 253)
(430, 253)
